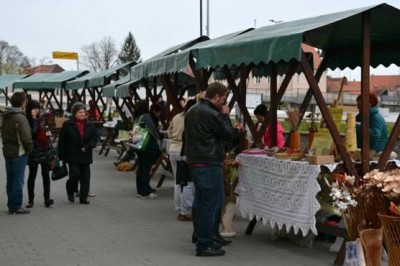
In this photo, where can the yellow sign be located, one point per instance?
(65, 55)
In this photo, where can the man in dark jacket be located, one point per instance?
(17, 143)
(207, 128)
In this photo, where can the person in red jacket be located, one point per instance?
(94, 112)
(261, 113)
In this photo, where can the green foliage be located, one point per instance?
(129, 51)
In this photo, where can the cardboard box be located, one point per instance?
(321, 159)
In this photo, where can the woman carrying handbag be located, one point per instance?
(78, 137)
(147, 157)
(184, 188)
(42, 153)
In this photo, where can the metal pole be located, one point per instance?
(208, 18)
(201, 17)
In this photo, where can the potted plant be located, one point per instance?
(293, 119)
(312, 124)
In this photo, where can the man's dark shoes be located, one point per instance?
(210, 252)
(221, 240)
(48, 202)
(29, 205)
(20, 211)
(71, 198)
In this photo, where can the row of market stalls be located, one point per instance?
(365, 37)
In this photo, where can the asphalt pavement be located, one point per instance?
(117, 228)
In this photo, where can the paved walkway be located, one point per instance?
(119, 229)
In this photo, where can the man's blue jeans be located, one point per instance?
(15, 169)
(208, 187)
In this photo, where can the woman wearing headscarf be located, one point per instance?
(77, 139)
(148, 157)
(41, 153)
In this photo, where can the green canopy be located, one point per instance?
(109, 90)
(152, 65)
(339, 32)
(8, 79)
(123, 90)
(47, 80)
(97, 79)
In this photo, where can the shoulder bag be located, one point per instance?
(140, 136)
(182, 170)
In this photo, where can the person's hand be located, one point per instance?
(239, 126)
(225, 109)
(48, 133)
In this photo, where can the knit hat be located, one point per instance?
(77, 107)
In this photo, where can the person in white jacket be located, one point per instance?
(183, 192)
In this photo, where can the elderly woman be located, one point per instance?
(77, 139)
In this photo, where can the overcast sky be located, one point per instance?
(39, 27)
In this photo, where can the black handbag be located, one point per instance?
(60, 170)
(182, 171)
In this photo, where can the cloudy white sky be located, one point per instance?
(42, 26)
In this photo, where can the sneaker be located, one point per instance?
(19, 211)
(150, 196)
(76, 194)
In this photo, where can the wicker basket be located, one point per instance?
(391, 231)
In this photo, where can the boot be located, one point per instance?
(48, 202)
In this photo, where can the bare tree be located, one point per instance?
(99, 56)
(11, 59)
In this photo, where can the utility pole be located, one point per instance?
(208, 18)
(201, 17)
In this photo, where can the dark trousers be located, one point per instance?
(33, 169)
(146, 160)
(208, 187)
(78, 173)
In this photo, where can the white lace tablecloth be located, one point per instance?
(281, 192)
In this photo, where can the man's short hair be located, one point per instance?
(216, 88)
(18, 99)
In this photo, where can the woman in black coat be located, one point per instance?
(41, 154)
(77, 139)
(147, 158)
